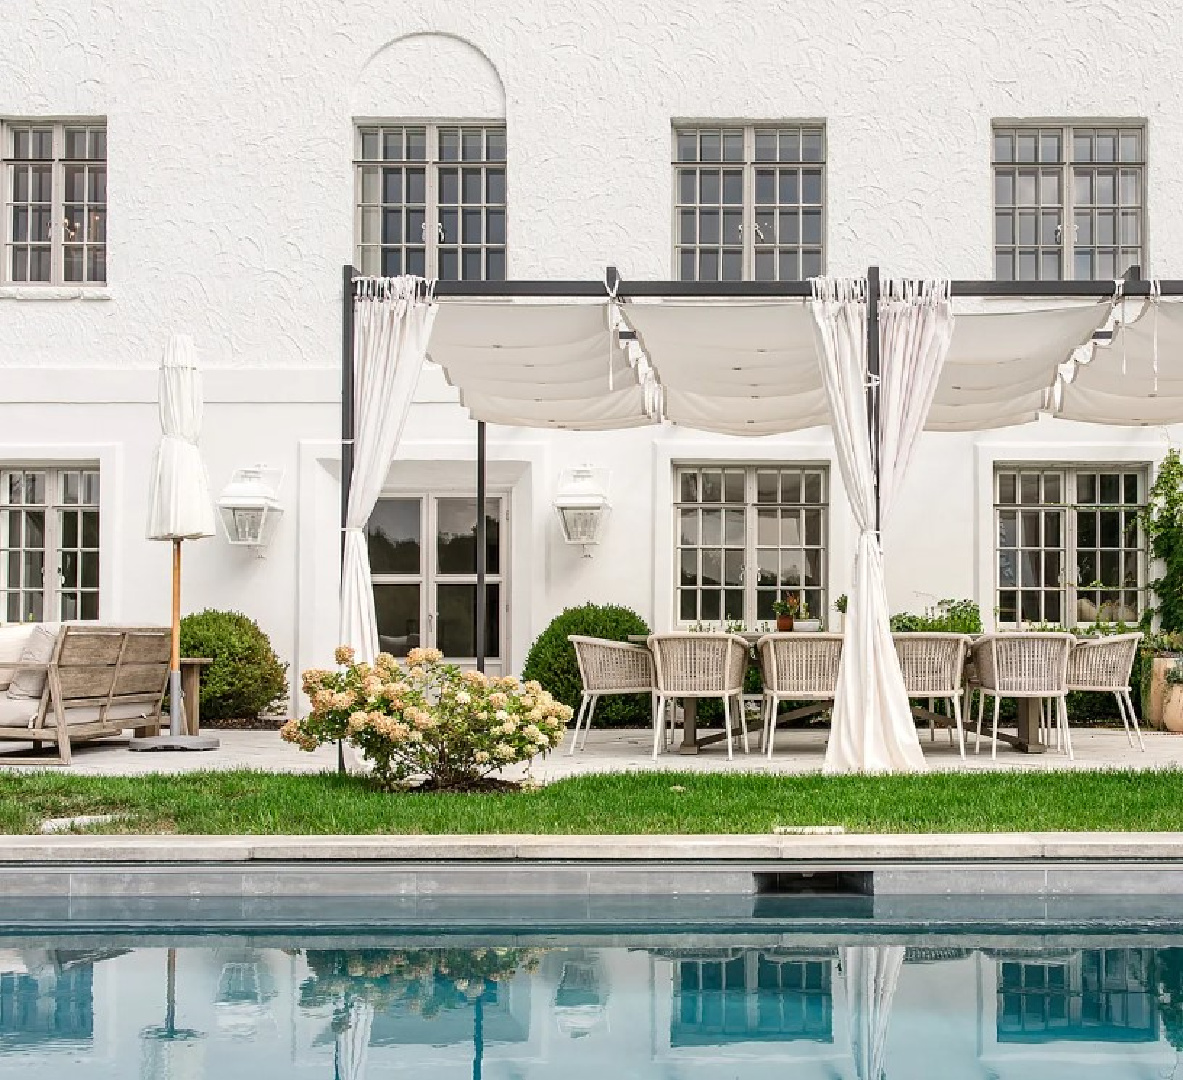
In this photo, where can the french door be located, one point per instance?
(423, 569)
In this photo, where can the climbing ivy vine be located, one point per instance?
(1162, 520)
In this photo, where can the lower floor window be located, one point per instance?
(1069, 544)
(423, 568)
(747, 535)
(49, 544)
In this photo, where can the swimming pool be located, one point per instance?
(755, 1000)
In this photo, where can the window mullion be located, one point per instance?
(749, 203)
(1068, 241)
(431, 209)
(51, 561)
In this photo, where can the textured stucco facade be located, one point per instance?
(230, 133)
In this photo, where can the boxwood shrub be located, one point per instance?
(246, 678)
(551, 661)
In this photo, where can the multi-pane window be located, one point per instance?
(423, 567)
(1068, 202)
(1069, 545)
(49, 544)
(752, 996)
(749, 202)
(430, 200)
(746, 536)
(55, 203)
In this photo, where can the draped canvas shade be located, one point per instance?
(1136, 379)
(1002, 364)
(540, 365)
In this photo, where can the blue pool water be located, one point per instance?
(228, 1005)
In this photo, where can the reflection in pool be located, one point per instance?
(802, 1006)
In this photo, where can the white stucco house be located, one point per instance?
(208, 169)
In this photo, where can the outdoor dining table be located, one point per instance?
(1026, 739)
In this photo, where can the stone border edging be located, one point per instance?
(844, 850)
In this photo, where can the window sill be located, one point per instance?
(55, 292)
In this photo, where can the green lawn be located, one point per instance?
(266, 803)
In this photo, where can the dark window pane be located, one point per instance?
(1110, 528)
(394, 537)
(456, 619)
(397, 609)
(1086, 528)
(1030, 606)
(456, 537)
(1086, 568)
(710, 605)
(495, 186)
(1051, 529)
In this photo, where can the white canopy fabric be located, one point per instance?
(392, 322)
(541, 365)
(352, 1045)
(1002, 364)
(733, 368)
(1136, 379)
(179, 504)
(871, 974)
(872, 728)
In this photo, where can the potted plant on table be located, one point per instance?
(786, 610)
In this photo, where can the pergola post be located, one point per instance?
(481, 540)
(873, 379)
(347, 429)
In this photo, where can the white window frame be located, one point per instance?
(750, 570)
(52, 587)
(59, 163)
(432, 163)
(1070, 589)
(428, 578)
(1067, 234)
(749, 165)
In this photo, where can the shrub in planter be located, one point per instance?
(246, 678)
(551, 661)
(428, 719)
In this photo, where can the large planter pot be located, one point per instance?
(1172, 707)
(784, 623)
(1155, 705)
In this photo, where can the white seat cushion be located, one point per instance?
(13, 638)
(21, 712)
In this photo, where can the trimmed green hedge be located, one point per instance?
(551, 661)
(246, 678)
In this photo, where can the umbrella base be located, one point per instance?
(175, 742)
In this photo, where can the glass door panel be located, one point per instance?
(398, 610)
(456, 536)
(456, 622)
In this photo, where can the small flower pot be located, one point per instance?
(784, 623)
(807, 625)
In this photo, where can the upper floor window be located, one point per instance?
(430, 200)
(1068, 202)
(55, 202)
(749, 202)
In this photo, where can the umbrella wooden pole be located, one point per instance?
(176, 721)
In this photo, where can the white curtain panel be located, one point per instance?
(872, 729)
(179, 505)
(392, 323)
(871, 974)
(352, 1045)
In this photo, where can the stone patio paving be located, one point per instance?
(611, 751)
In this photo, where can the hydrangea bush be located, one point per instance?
(424, 718)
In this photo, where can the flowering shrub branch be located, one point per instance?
(426, 718)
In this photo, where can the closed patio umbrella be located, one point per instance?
(179, 507)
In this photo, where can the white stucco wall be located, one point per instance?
(230, 144)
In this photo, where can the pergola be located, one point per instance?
(748, 358)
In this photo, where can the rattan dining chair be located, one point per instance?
(609, 667)
(1022, 665)
(933, 666)
(694, 665)
(1104, 665)
(796, 667)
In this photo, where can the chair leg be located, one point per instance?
(932, 724)
(994, 732)
(743, 724)
(1062, 710)
(729, 738)
(955, 708)
(981, 713)
(659, 725)
(587, 719)
(1125, 721)
(1129, 708)
(770, 724)
(578, 721)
